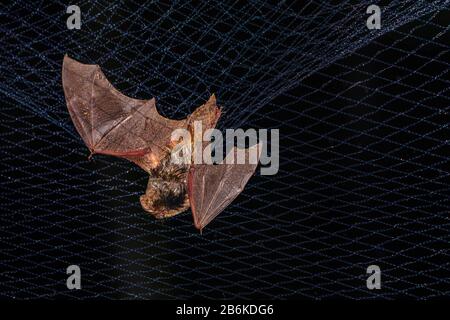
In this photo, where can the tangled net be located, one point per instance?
(363, 119)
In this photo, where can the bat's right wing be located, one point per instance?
(212, 188)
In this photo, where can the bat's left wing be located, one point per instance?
(212, 188)
(111, 123)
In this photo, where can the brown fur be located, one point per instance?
(166, 193)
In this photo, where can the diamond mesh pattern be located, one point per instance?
(363, 119)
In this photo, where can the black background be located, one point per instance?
(363, 172)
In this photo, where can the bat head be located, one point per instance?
(166, 193)
(165, 199)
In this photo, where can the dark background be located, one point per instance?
(364, 152)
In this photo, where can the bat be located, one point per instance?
(111, 123)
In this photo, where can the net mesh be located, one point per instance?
(364, 154)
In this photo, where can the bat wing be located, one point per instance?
(212, 188)
(114, 124)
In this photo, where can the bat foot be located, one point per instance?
(91, 154)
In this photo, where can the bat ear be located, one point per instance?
(208, 114)
(212, 188)
(212, 99)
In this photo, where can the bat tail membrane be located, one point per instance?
(212, 188)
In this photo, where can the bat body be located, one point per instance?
(113, 124)
(166, 193)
